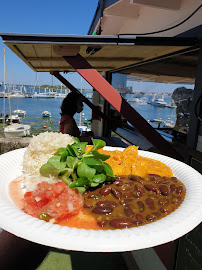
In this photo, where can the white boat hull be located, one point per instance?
(42, 96)
(17, 96)
(46, 114)
(158, 104)
(17, 130)
(20, 112)
(84, 128)
(14, 118)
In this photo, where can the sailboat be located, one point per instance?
(82, 127)
(19, 112)
(14, 129)
(46, 94)
(17, 130)
(17, 93)
(14, 118)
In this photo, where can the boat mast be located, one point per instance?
(7, 86)
(4, 100)
(80, 112)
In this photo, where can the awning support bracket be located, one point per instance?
(93, 77)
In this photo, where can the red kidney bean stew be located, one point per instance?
(132, 201)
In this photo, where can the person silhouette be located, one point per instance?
(72, 104)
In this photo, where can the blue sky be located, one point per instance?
(43, 17)
(50, 17)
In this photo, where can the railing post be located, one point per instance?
(194, 122)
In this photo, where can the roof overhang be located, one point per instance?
(149, 59)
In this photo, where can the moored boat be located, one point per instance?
(171, 105)
(158, 101)
(14, 118)
(157, 120)
(17, 130)
(59, 95)
(139, 100)
(169, 123)
(46, 114)
(19, 112)
(3, 94)
(84, 128)
(16, 94)
(42, 95)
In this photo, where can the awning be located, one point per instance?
(169, 60)
(89, 55)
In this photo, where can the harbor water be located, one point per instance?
(35, 106)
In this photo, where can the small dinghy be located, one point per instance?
(84, 128)
(14, 118)
(46, 114)
(17, 130)
(20, 113)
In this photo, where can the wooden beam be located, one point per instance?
(160, 78)
(68, 68)
(162, 69)
(90, 59)
(121, 105)
(42, 59)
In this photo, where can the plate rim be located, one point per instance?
(20, 229)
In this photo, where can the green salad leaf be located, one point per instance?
(97, 144)
(53, 167)
(79, 169)
(84, 170)
(59, 151)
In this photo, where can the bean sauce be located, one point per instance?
(132, 201)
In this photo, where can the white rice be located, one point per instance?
(41, 148)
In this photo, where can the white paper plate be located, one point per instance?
(171, 227)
